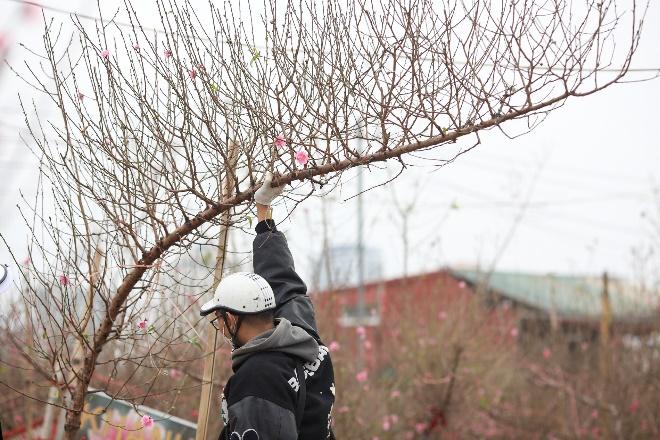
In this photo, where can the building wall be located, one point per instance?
(402, 305)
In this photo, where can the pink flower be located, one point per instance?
(386, 424)
(362, 376)
(514, 332)
(105, 53)
(442, 315)
(147, 421)
(192, 73)
(395, 394)
(394, 419)
(547, 353)
(334, 346)
(136, 47)
(302, 157)
(367, 345)
(420, 427)
(81, 96)
(31, 11)
(167, 53)
(175, 373)
(27, 261)
(461, 285)
(361, 331)
(634, 406)
(64, 280)
(594, 414)
(280, 141)
(142, 325)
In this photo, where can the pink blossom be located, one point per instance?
(142, 325)
(442, 315)
(31, 11)
(147, 421)
(634, 406)
(192, 73)
(200, 66)
(362, 376)
(26, 261)
(136, 47)
(394, 419)
(167, 53)
(64, 280)
(375, 437)
(594, 414)
(361, 331)
(302, 157)
(334, 346)
(386, 423)
(514, 332)
(367, 345)
(81, 96)
(461, 285)
(105, 53)
(547, 353)
(280, 141)
(175, 373)
(18, 419)
(420, 427)
(395, 394)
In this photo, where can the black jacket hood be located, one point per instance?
(284, 338)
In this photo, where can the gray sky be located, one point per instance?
(588, 172)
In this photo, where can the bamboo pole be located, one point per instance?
(204, 410)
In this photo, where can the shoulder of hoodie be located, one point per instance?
(265, 375)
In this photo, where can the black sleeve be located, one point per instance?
(273, 261)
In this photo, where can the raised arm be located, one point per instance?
(272, 260)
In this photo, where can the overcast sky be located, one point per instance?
(588, 173)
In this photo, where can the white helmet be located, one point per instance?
(242, 293)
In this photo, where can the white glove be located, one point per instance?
(266, 193)
(5, 278)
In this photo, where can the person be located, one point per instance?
(282, 385)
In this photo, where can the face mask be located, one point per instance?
(233, 339)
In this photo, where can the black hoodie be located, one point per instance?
(261, 399)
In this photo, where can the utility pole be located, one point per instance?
(605, 325)
(604, 349)
(360, 258)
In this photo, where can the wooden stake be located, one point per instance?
(209, 361)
